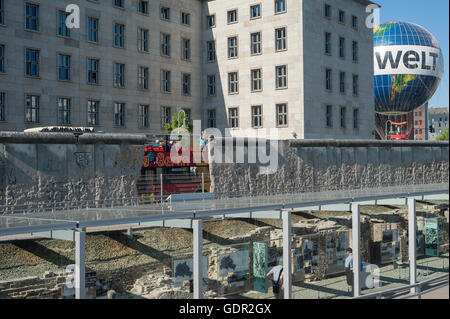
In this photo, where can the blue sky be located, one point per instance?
(433, 15)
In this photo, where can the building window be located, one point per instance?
(342, 82)
(2, 58)
(341, 16)
(144, 116)
(233, 83)
(64, 67)
(186, 84)
(211, 21)
(211, 85)
(211, 48)
(281, 77)
(355, 51)
(2, 12)
(327, 42)
(327, 11)
(2, 106)
(186, 49)
(32, 16)
(93, 29)
(232, 16)
(119, 3)
(143, 78)
(64, 105)
(211, 115)
(165, 81)
(119, 114)
(257, 116)
(356, 119)
(329, 116)
(232, 47)
(32, 109)
(143, 40)
(355, 22)
(280, 39)
(32, 63)
(280, 6)
(256, 80)
(93, 71)
(255, 11)
(328, 84)
(93, 112)
(119, 75)
(166, 115)
(255, 39)
(119, 35)
(63, 30)
(185, 18)
(165, 44)
(233, 117)
(355, 85)
(143, 6)
(281, 115)
(165, 13)
(343, 117)
(342, 47)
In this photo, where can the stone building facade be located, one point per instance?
(133, 64)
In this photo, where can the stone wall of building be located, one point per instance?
(321, 165)
(49, 286)
(48, 168)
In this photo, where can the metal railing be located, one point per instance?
(417, 288)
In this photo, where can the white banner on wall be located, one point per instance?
(408, 59)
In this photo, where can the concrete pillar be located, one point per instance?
(287, 262)
(412, 242)
(198, 257)
(356, 232)
(80, 264)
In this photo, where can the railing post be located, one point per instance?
(161, 177)
(203, 182)
(355, 249)
(197, 226)
(80, 264)
(287, 263)
(412, 242)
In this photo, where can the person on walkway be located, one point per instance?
(111, 294)
(349, 270)
(276, 276)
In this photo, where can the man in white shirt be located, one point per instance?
(349, 269)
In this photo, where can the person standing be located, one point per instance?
(276, 276)
(349, 270)
(111, 294)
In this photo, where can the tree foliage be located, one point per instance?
(177, 122)
(443, 136)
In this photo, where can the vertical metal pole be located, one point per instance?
(356, 232)
(287, 263)
(161, 176)
(412, 242)
(198, 256)
(203, 182)
(80, 264)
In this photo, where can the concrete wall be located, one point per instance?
(319, 165)
(50, 168)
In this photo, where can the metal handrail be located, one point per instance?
(419, 285)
